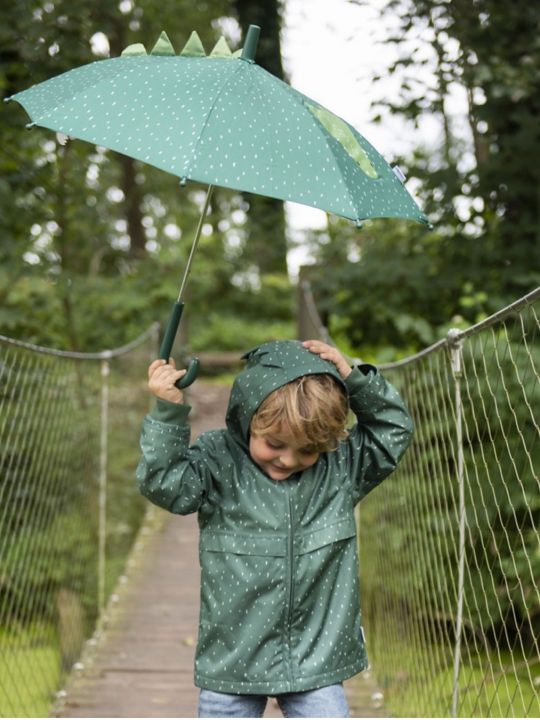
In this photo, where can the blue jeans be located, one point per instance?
(326, 702)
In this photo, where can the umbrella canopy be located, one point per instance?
(221, 120)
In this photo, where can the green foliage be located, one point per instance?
(62, 553)
(108, 311)
(385, 298)
(234, 333)
(397, 286)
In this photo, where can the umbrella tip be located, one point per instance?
(250, 45)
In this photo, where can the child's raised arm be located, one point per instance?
(384, 427)
(170, 473)
(328, 352)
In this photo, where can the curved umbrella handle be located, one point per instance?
(167, 343)
(190, 376)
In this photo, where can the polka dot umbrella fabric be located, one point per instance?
(222, 120)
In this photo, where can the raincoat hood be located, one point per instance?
(269, 367)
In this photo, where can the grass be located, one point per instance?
(29, 672)
(420, 684)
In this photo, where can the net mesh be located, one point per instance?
(451, 598)
(450, 547)
(53, 479)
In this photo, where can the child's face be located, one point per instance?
(278, 456)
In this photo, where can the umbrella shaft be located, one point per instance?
(195, 242)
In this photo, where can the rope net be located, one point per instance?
(451, 597)
(450, 547)
(69, 508)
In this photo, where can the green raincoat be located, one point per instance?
(280, 608)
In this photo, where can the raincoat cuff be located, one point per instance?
(360, 376)
(171, 413)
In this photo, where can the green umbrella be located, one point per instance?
(220, 120)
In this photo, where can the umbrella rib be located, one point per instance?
(299, 98)
(43, 116)
(207, 118)
(326, 140)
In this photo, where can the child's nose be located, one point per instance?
(288, 458)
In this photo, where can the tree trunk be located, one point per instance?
(132, 204)
(132, 193)
(266, 245)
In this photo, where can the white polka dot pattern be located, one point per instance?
(222, 121)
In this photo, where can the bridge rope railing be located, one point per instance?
(69, 510)
(450, 548)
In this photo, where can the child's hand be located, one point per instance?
(161, 379)
(327, 352)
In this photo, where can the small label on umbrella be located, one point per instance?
(398, 172)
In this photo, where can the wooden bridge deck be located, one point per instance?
(142, 662)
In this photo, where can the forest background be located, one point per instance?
(93, 243)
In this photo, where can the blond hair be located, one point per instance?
(312, 410)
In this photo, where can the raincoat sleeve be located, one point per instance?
(171, 473)
(383, 431)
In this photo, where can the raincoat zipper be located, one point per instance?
(290, 580)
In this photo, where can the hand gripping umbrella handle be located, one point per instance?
(167, 343)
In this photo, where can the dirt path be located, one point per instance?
(142, 663)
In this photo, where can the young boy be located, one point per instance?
(275, 494)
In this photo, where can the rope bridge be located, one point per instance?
(450, 551)
(450, 548)
(69, 509)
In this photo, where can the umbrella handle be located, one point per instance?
(167, 343)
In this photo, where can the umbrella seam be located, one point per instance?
(189, 169)
(300, 99)
(326, 140)
(57, 107)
